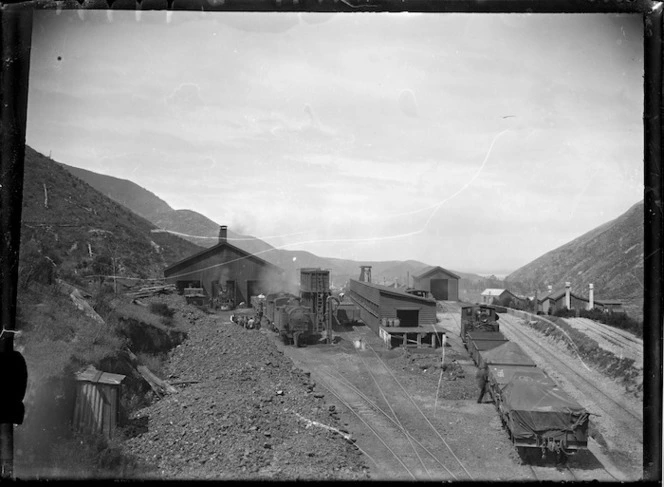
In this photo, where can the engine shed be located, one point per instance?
(441, 283)
(398, 317)
(225, 270)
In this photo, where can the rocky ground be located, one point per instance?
(243, 411)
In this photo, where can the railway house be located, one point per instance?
(441, 283)
(503, 296)
(565, 298)
(399, 317)
(228, 270)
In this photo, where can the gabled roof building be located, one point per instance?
(226, 269)
(565, 298)
(441, 283)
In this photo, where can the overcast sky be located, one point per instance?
(473, 142)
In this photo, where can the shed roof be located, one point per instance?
(399, 292)
(91, 374)
(212, 250)
(493, 292)
(431, 270)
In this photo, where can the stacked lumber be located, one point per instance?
(145, 292)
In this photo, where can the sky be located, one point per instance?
(477, 142)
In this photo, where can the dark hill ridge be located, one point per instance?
(201, 230)
(609, 256)
(71, 223)
(189, 224)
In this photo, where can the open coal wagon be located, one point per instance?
(480, 341)
(536, 412)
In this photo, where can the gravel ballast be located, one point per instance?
(243, 411)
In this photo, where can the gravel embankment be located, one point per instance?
(238, 413)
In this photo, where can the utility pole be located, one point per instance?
(16, 32)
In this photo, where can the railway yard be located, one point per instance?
(352, 409)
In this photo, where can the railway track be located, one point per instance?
(620, 412)
(420, 456)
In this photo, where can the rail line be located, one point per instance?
(616, 408)
(335, 376)
(379, 371)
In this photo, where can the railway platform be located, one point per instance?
(412, 336)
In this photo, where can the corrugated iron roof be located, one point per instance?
(394, 291)
(171, 268)
(433, 269)
(493, 292)
(91, 374)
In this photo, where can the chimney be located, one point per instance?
(591, 297)
(568, 297)
(365, 273)
(222, 233)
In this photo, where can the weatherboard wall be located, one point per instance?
(224, 264)
(425, 282)
(377, 302)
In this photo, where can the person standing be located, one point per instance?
(482, 381)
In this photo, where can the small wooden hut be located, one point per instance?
(97, 401)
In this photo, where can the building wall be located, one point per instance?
(390, 303)
(452, 284)
(375, 305)
(367, 298)
(226, 264)
(96, 408)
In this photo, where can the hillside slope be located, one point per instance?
(203, 231)
(609, 256)
(69, 222)
(192, 226)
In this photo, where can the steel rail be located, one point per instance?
(352, 410)
(420, 411)
(579, 377)
(396, 418)
(378, 409)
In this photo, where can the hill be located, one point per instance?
(189, 224)
(609, 256)
(203, 231)
(77, 229)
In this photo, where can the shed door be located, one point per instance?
(254, 288)
(408, 317)
(439, 289)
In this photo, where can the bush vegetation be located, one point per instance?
(589, 350)
(614, 319)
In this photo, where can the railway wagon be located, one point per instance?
(480, 341)
(538, 415)
(478, 317)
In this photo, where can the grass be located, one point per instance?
(589, 350)
(57, 339)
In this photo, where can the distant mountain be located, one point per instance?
(188, 224)
(204, 232)
(610, 257)
(70, 223)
